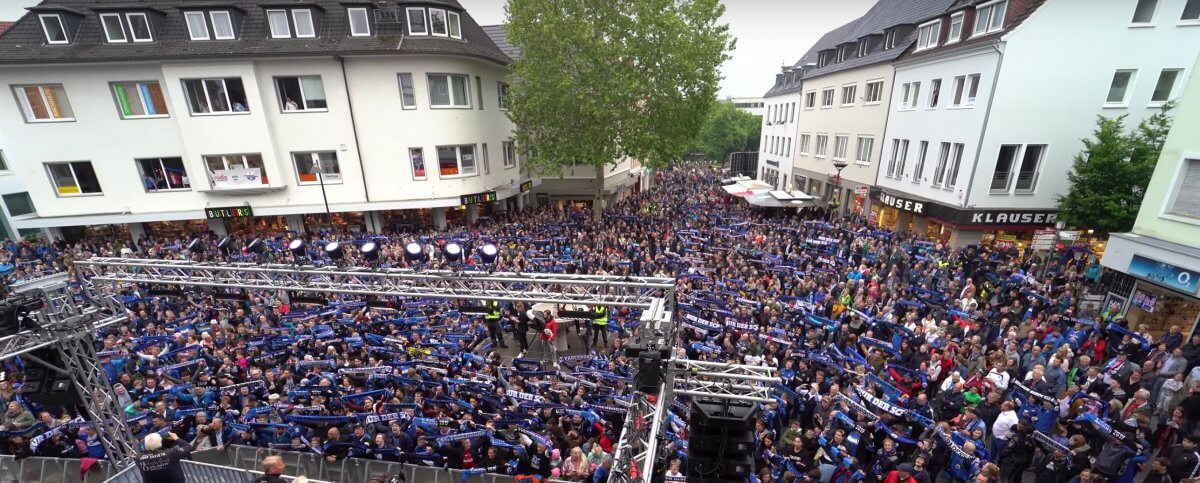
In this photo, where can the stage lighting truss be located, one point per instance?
(737, 382)
(612, 291)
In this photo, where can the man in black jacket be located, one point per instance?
(1185, 460)
(159, 462)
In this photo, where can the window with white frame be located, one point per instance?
(408, 93)
(53, 27)
(139, 27)
(502, 95)
(902, 159)
(416, 21)
(73, 178)
(956, 156)
(300, 26)
(827, 98)
(510, 154)
(455, 24)
(863, 48)
(44, 103)
(317, 167)
(1118, 90)
(449, 91)
(222, 25)
(910, 93)
(163, 174)
(1185, 201)
(823, 59)
(1005, 164)
(841, 54)
(1143, 13)
(904, 89)
(874, 92)
(841, 143)
(891, 166)
(849, 94)
(810, 99)
(216, 96)
(360, 23)
(301, 93)
(927, 35)
(890, 39)
(919, 169)
(233, 170)
(805, 139)
(114, 29)
(216, 25)
(865, 146)
(137, 100)
(956, 28)
(990, 17)
(792, 108)
(935, 91)
(788, 150)
(1031, 165)
(456, 160)
(278, 21)
(1191, 12)
(487, 161)
(1165, 87)
(416, 156)
(939, 171)
(960, 85)
(437, 22)
(197, 25)
(822, 144)
(972, 89)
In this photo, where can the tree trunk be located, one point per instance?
(598, 200)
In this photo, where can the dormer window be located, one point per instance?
(890, 39)
(823, 59)
(301, 25)
(990, 17)
(416, 21)
(863, 48)
(841, 54)
(133, 26)
(956, 27)
(360, 26)
(214, 25)
(442, 22)
(52, 25)
(927, 36)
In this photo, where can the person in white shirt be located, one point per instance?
(1002, 429)
(999, 376)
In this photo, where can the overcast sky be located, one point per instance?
(770, 33)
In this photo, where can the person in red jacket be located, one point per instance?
(549, 333)
(902, 474)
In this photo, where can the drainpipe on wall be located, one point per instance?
(987, 116)
(362, 170)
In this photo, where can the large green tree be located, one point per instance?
(728, 130)
(601, 80)
(1109, 177)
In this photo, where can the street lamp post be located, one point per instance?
(839, 165)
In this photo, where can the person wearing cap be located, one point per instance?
(902, 474)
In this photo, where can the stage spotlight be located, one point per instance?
(370, 251)
(413, 252)
(334, 250)
(225, 245)
(452, 251)
(488, 253)
(196, 246)
(256, 246)
(297, 249)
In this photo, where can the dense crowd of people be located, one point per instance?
(901, 360)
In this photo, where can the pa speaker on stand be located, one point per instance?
(721, 443)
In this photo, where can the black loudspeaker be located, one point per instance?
(721, 444)
(649, 375)
(14, 314)
(46, 387)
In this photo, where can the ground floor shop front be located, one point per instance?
(958, 227)
(1164, 288)
(846, 195)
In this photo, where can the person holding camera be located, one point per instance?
(159, 462)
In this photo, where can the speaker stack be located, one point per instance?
(721, 443)
(46, 387)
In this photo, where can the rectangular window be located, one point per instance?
(874, 92)
(1118, 91)
(1186, 200)
(990, 18)
(502, 95)
(810, 100)
(139, 27)
(960, 84)
(163, 174)
(417, 157)
(318, 167)
(137, 100)
(902, 159)
(916, 95)
(113, 30)
(805, 139)
(1165, 86)
(849, 93)
(437, 22)
(19, 204)
(863, 48)
(919, 170)
(449, 90)
(75, 178)
(1005, 162)
(197, 27)
(955, 164)
(935, 91)
(904, 88)
(891, 167)
(456, 160)
(52, 26)
(1144, 12)
(216, 96)
(827, 98)
(44, 103)
(792, 110)
(234, 170)
(956, 24)
(479, 91)
(972, 88)
(3, 161)
(360, 25)
(927, 36)
(305, 93)
(408, 94)
(889, 40)
(822, 143)
(510, 154)
(278, 21)
(1031, 164)
(939, 171)
(1191, 12)
(416, 21)
(487, 161)
(840, 145)
(302, 19)
(455, 25)
(222, 25)
(865, 147)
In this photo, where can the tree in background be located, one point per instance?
(601, 80)
(1109, 178)
(728, 130)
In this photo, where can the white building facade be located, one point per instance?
(991, 106)
(755, 106)
(776, 149)
(154, 118)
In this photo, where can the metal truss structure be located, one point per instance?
(715, 380)
(613, 291)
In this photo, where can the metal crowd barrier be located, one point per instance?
(197, 472)
(51, 470)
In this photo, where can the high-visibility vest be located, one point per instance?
(601, 317)
(493, 310)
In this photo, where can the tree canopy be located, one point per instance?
(728, 130)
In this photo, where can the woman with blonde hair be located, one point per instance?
(575, 467)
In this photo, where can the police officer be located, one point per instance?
(492, 319)
(599, 324)
(159, 463)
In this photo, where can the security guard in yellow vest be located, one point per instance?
(599, 324)
(492, 319)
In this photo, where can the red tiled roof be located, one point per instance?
(4, 26)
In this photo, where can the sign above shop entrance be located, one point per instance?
(1163, 273)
